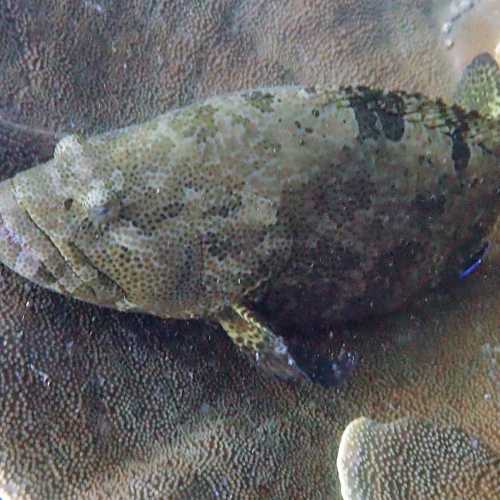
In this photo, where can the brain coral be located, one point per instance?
(99, 404)
(410, 458)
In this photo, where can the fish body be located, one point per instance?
(317, 202)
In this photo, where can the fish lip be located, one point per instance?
(27, 249)
(31, 246)
(24, 246)
(17, 238)
(69, 277)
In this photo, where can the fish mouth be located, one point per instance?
(24, 248)
(27, 249)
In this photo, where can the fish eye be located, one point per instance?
(68, 203)
(102, 214)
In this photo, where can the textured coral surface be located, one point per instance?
(410, 458)
(107, 404)
(117, 62)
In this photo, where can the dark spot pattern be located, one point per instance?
(261, 100)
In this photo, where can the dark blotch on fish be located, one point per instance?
(365, 117)
(390, 113)
(374, 106)
(460, 151)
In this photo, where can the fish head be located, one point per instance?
(43, 212)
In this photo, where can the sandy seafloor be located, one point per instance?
(97, 404)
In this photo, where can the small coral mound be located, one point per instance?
(479, 88)
(412, 458)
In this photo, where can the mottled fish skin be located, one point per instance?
(342, 201)
(281, 188)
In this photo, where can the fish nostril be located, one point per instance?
(68, 203)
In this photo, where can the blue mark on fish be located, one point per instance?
(476, 260)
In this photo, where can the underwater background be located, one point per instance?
(100, 404)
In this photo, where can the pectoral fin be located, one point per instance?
(252, 335)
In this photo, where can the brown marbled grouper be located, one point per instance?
(317, 203)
